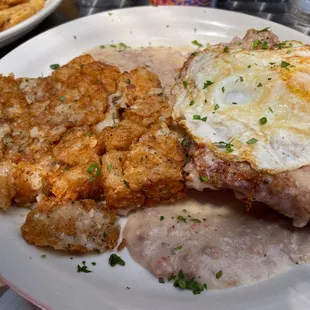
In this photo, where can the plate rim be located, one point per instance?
(19, 290)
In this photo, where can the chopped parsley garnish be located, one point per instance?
(185, 142)
(252, 141)
(263, 30)
(272, 63)
(262, 120)
(83, 268)
(226, 49)
(195, 220)
(283, 45)
(216, 107)
(43, 256)
(269, 79)
(199, 118)
(54, 66)
(161, 280)
(123, 45)
(192, 102)
(181, 219)
(207, 84)
(126, 183)
(195, 42)
(256, 43)
(104, 235)
(241, 79)
(265, 45)
(194, 54)
(102, 46)
(62, 98)
(249, 66)
(128, 81)
(179, 247)
(204, 178)
(161, 217)
(234, 103)
(270, 110)
(185, 84)
(116, 260)
(88, 133)
(259, 85)
(93, 263)
(93, 168)
(110, 14)
(223, 89)
(227, 146)
(187, 284)
(285, 64)
(109, 167)
(219, 274)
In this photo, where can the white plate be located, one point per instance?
(17, 31)
(53, 283)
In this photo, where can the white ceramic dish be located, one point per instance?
(53, 283)
(17, 31)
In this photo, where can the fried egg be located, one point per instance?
(249, 106)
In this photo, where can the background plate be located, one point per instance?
(53, 283)
(17, 31)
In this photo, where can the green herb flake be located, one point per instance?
(127, 81)
(216, 107)
(181, 219)
(54, 66)
(195, 220)
(184, 84)
(178, 248)
(269, 108)
(281, 45)
(192, 103)
(171, 277)
(195, 42)
(88, 134)
(94, 263)
(223, 89)
(102, 46)
(161, 280)
(252, 141)
(262, 120)
(249, 66)
(83, 268)
(62, 98)
(285, 64)
(234, 103)
(194, 54)
(207, 84)
(185, 142)
(259, 85)
(161, 218)
(204, 178)
(123, 45)
(196, 117)
(187, 284)
(116, 260)
(241, 79)
(43, 256)
(126, 184)
(110, 14)
(263, 30)
(226, 49)
(219, 274)
(109, 167)
(104, 235)
(204, 119)
(265, 45)
(256, 43)
(94, 168)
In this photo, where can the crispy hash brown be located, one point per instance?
(57, 147)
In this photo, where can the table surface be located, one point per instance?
(275, 10)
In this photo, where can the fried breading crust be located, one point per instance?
(80, 226)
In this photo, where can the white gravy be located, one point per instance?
(218, 235)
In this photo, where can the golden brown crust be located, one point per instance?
(80, 226)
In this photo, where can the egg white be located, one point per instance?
(222, 96)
